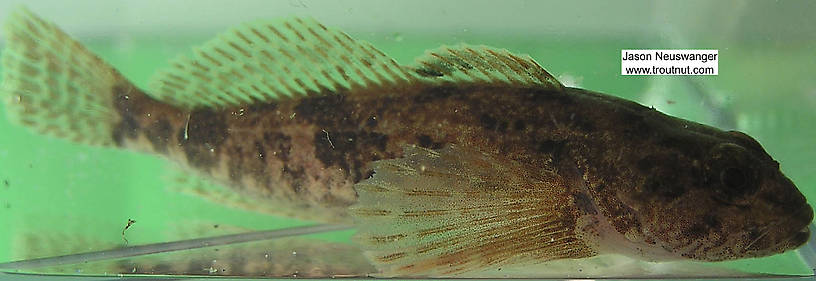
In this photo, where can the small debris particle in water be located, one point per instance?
(328, 139)
(6, 183)
(129, 223)
(8, 205)
(670, 102)
(187, 127)
(215, 226)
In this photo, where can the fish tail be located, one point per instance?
(55, 86)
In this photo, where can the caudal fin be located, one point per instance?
(54, 85)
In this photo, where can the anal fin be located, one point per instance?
(457, 210)
(191, 183)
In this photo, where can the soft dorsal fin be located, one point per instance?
(467, 64)
(265, 61)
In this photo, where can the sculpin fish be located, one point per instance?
(470, 158)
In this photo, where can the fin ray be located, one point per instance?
(263, 61)
(482, 64)
(54, 85)
(447, 212)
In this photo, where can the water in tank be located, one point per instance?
(425, 139)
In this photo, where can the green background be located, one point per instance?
(65, 193)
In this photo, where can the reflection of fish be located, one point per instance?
(473, 158)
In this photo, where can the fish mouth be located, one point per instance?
(800, 238)
(791, 233)
(803, 235)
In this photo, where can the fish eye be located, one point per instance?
(731, 173)
(734, 181)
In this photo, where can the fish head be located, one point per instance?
(727, 199)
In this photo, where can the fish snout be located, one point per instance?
(801, 237)
(803, 234)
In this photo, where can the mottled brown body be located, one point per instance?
(313, 150)
(624, 160)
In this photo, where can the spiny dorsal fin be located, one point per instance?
(468, 64)
(265, 61)
(454, 211)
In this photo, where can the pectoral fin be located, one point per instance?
(457, 210)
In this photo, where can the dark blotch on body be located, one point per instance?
(281, 143)
(492, 124)
(296, 176)
(554, 148)
(159, 135)
(206, 127)
(205, 132)
(324, 111)
(349, 150)
(425, 141)
(128, 126)
(261, 152)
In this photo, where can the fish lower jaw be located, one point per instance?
(798, 239)
(802, 236)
